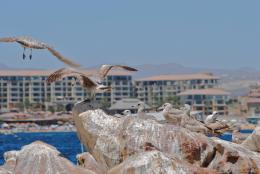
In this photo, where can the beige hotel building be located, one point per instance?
(19, 86)
(159, 89)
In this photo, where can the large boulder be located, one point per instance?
(116, 143)
(234, 158)
(252, 142)
(111, 140)
(39, 158)
(155, 162)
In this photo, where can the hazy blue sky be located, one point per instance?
(199, 33)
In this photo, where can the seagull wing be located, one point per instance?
(103, 71)
(60, 74)
(8, 39)
(61, 58)
(85, 81)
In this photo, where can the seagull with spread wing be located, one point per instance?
(92, 86)
(30, 43)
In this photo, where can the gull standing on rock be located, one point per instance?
(215, 125)
(84, 80)
(28, 42)
(181, 118)
(170, 114)
(127, 113)
(186, 109)
(140, 111)
(212, 118)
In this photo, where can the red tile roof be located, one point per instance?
(48, 72)
(210, 91)
(176, 77)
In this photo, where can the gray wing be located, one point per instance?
(8, 39)
(61, 58)
(103, 71)
(60, 74)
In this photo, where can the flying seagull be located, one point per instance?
(30, 43)
(84, 80)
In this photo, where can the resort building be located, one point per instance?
(19, 88)
(206, 100)
(159, 89)
(253, 100)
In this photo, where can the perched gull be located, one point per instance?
(170, 114)
(123, 114)
(28, 42)
(140, 108)
(140, 112)
(215, 125)
(182, 118)
(212, 118)
(84, 80)
(127, 113)
(186, 109)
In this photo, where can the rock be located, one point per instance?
(39, 158)
(193, 125)
(4, 171)
(111, 140)
(155, 162)
(10, 158)
(87, 161)
(234, 158)
(218, 127)
(116, 143)
(252, 142)
(247, 126)
(238, 137)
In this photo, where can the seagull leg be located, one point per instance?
(31, 55)
(24, 53)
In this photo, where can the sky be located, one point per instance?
(201, 33)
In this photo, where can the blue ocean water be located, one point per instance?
(66, 142)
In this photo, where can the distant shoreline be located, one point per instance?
(52, 131)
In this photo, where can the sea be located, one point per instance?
(66, 142)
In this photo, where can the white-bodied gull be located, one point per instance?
(31, 43)
(92, 86)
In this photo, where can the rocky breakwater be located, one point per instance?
(134, 145)
(252, 142)
(39, 158)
